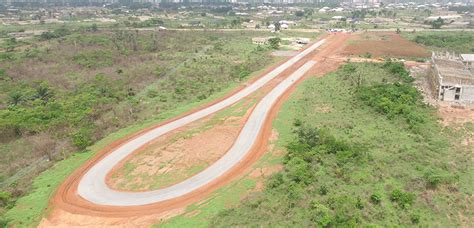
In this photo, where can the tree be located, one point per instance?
(274, 42)
(436, 24)
(10, 44)
(399, 31)
(277, 26)
(15, 98)
(43, 92)
(299, 13)
(94, 28)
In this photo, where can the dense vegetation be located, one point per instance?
(71, 88)
(460, 42)
(355, 159)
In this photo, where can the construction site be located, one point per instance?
(452, 77)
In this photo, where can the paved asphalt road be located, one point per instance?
(93, 187)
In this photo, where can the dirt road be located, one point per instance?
(85, 191)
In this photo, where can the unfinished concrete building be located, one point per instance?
(452, 77)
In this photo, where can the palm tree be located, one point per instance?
(15, 98)
(43, 92)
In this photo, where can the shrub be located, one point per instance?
(241, 71)
(459, 42)
(394, 100)
(398, 68)
(415, 217)
(158, 72)
(435, 177)
(323, 190)
(57, 33)
(6, 56)
(5, 199)
(359, 205)
(321, 215)
(274, 42)
(367, 55)
(376, 198)
(151, 93)
(82, 138)
(436, 24)
(403, 199)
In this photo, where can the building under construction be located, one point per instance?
(452, 77)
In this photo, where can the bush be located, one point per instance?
(415, 217)
(435, 177)
(359, 205)
(274, 42)
(376, 198)
(241, 71)
(57, 33)
(323, 190)
(459, 42)
(367, 55)
(5, 199)
(403, 199)
(292, 187)
(395, 100)
(398, 68)
(82, 138)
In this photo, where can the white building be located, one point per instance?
(452, 77)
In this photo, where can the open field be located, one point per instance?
(383, 171)
(387, 44)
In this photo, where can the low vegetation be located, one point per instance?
(460, 42)
(363, 150)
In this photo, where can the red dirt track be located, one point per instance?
(67, 199)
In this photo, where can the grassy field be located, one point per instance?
(354, 160)
(460, 42)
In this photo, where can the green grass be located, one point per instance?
(398, 165)
(460, 42)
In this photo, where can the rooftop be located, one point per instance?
(454, 72)
(467, 57)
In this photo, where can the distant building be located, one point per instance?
(271, 26)
(452, 77)
(260, 40)
(302, 41)
(468, 60)
(446, 18)
(292, 23)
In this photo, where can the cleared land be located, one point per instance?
(384, 44)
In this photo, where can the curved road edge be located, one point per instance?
(93, 188)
